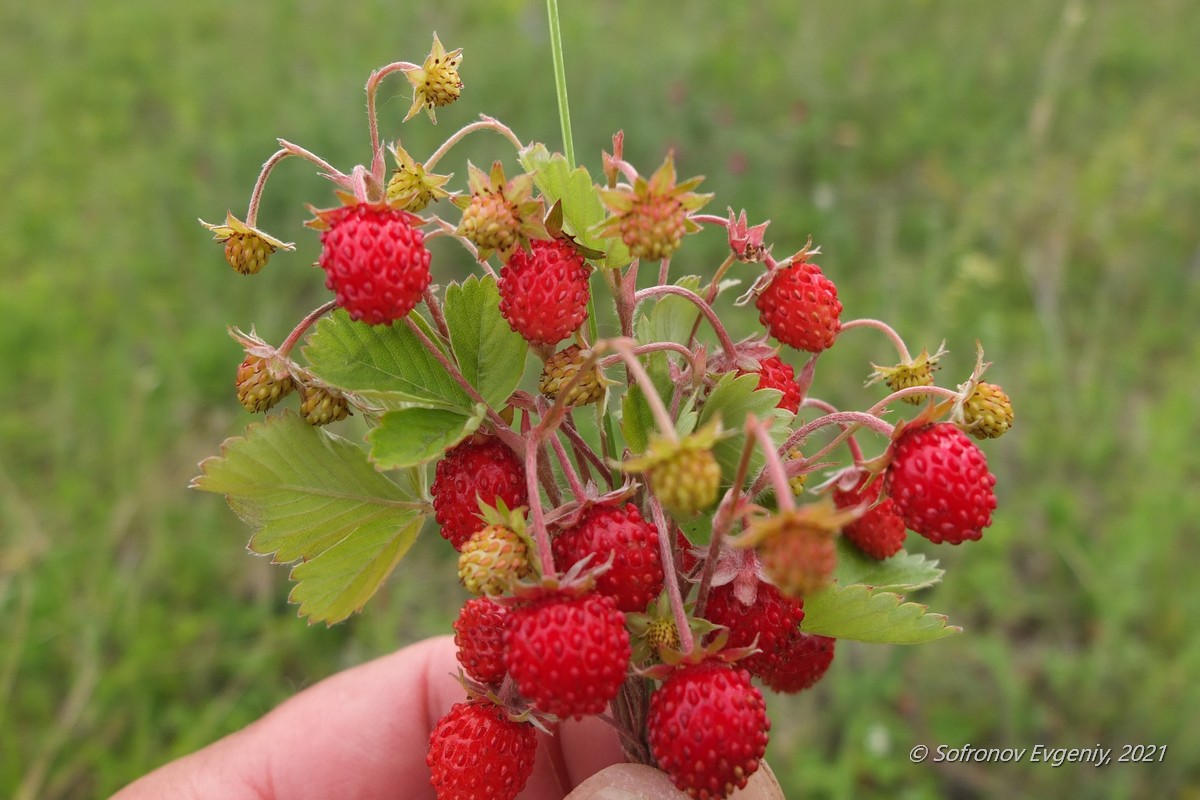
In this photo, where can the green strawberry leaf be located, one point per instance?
(305, 491)
(637, 420)
(490, 354)
(732, 400)
(902, 572)
(410, 437)
(581, 205)
(383, 364)
(866, 615)
(340, 581)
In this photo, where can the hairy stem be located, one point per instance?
(698, 301)
(485, 123)
(260, 184)
(378, 75)
(887, 330)
(666, 554)
(303, 326)
(663, 419)
(774, 466)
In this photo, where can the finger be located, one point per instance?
(364, 733)
(639, 782)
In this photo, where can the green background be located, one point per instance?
(1027, 173)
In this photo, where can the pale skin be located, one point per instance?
(363, 734)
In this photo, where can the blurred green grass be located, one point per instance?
(1026, 173)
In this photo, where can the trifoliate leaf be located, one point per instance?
(410, 437)
(383, 363)
(490, 354)
(305, 491)
(866, 615)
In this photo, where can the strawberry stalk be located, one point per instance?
(774, 466)
(705, 309)
(485, 123)
(687, 642)
(638, 373)
(377, 155)
(303, 327)
(729, 510)
(887, 330)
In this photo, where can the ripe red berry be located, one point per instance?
(879, 532)
(477, 753)
(773, 373)
(707, 728)
(800, 307)
(568, 654)
(375, 261)
(485, 469)
(770, 622)
(544, 290)
(479, 636)
(940, 483)
(636, 575)
(801, 664)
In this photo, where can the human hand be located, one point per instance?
(364, 732)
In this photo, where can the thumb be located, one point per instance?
(640, 782)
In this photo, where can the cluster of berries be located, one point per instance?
(654, 583)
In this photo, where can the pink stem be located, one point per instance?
(888, 330)
(435, 311)
(710, 219)
(698, 301)
(502, 428)
(774, 466)
(304, 325)
(727, 512)
(653, 347)
(911, 391)
(829, 408)
(260, 184)
(485, 123)
(638, 372)
(666, 554)
(537, 519)
(378, 75)
(567, 467)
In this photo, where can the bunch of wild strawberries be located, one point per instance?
(637, 583)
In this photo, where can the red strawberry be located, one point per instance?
(544, 290)
(568, 654)
(707, 728)
(800, 307)
(773, 373)
(636, 575)
(484, 469)
(477, 753)
(940, 483)
(772, 621)
(879, 532)
(801, 664)
(375, 261)
(479, 636)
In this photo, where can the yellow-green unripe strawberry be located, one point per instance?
(492, 560)
(320, 405)
(684, 474)
(560, 369)
(257, 388)
(988, 412)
